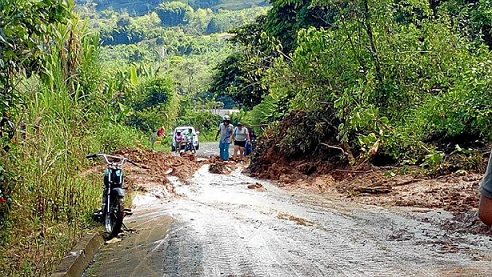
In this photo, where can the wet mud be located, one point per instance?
(139, 251)
(230, 224)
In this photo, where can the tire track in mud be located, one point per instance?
(224, 229)
(219, 227)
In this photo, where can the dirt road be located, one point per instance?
(217, 226)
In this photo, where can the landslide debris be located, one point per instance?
(154, 167)
(456, 192)
(256, 186)
(302, 143)
(302, 152)
(217, 166)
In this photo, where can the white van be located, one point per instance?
(184, 130)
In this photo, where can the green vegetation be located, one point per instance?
(61, 113)
(406, 79)
(404, 82)
(140, 7)
(69, 95)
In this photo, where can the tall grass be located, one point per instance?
(67, 112)
(51, 199)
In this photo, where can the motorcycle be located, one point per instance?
(112, 210)
(181, 145)
(189, 144)
(186, 144)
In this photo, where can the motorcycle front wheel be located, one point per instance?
(114, 221)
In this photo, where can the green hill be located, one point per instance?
(139, 7)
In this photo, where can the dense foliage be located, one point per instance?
(140, 7)
(23, 35)
(400, 74)
(408, 81)
(63, 103)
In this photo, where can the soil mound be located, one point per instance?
(219, 167)
(456, 192)
(302, 143)
(303, 152)
(154, 167)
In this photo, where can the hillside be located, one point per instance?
(141, 7)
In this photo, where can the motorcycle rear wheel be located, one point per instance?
(114, 221)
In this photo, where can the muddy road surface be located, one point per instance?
(233, 225)
(211, 148)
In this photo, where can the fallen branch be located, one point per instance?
(381, 190)
(407, 182)
(333, 147)
(388, 183)
(353, 170)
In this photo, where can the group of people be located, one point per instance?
(239, 135)
(229, 134)
(186, 136)
(180, 136)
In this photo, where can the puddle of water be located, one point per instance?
(153, 196)
(143, 199)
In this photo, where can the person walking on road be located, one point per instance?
(240, 136)
(225, 132)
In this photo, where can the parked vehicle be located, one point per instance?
(112, 211)
(183, 130)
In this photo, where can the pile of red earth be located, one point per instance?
(301, 154)
(218, 166)
(300, 145)
(153, 167)
(456, 192)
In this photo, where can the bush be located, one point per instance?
(152, 102)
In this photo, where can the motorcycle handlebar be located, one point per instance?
(91, 156)
(122, 160)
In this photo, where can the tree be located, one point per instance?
(25, 30)
(471, 17)
(240, 75)
(260, 43)
(151, 102)
(174, 13)
(394, 74)
(286, 18)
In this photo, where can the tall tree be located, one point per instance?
(174, 13)
(240, 75)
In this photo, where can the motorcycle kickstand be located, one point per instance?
(126, 229)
